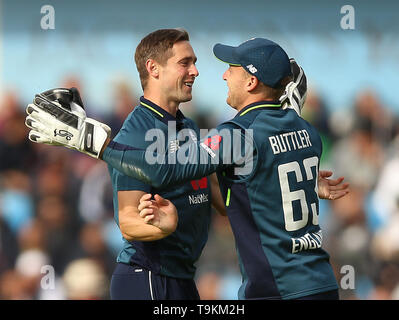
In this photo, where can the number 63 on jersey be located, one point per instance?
(288, 196)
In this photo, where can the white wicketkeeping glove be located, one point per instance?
(295, 92)
(57, 117)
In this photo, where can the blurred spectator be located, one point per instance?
(97, 187)
(32, 236)
(316, 112)
(385, 245)
(386, 281)
(218, 285)
(10, 107)
(16, 203)
(219, 275)
(220, 254)
(358, 156)
(72, 81)
(93, 246)
(124, 101)
(348, 239)
(15, 150)
(354, 227)
(55, 175)
(29, 267)
(384, 222)
(208, 285)
(395, 293)
(60, 235)
(8, 247)
(369, 109)
(384, 201)
(112, 236)
(84, 280)
(12, 286)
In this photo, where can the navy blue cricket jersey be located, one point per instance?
(176, 254)
(267, 161)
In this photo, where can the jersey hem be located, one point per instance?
(309, 292)
(163, 273)
(296, 294)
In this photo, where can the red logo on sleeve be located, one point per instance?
(213, 142)
(199, 184)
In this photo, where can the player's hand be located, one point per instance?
(331, 189)
(160, 212)
(57, 117)
(295, 92)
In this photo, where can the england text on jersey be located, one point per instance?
(290, 141)
(309, 241)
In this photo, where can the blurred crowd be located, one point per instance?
(58, 239)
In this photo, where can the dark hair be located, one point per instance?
(278, 91)
(157, 46)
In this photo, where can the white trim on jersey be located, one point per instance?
(149, 279)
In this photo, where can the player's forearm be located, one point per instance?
(136, 230)
(162, 173)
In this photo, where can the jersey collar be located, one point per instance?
(160, 113)
(259, 105)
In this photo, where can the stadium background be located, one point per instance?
(56, 205)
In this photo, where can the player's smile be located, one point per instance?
(189, 84)
(184, 89)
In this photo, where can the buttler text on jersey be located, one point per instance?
(289, 141)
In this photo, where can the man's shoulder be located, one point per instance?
(236, 123)
(139, 118)
(135, 127)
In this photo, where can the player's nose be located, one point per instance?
(194, 71)
(225, 75)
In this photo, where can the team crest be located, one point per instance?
(213, 142)
(174, 146)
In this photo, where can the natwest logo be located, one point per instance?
(199, 184)
(201, 198)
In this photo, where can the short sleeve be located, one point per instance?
(126, 183)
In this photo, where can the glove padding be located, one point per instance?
(295, 92)
(57, 117)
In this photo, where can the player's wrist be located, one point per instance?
(105, 145)
(94, 137)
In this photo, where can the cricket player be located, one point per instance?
(157, 261)
(267, 162)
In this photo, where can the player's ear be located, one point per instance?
(152, 68)
(252, 83)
